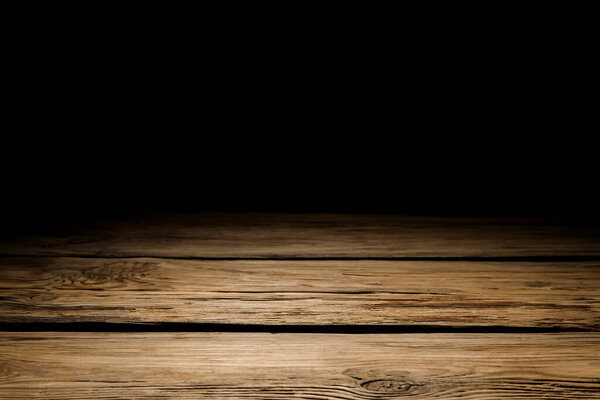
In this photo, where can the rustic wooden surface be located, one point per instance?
(446, 293)
(309, 366)
(511, 280)
(313, 236)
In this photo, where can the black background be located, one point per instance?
(79, 163)
(100, 127)
(52, 183)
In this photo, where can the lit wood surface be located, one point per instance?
(446, 293)
(253, 272)
(308, 366)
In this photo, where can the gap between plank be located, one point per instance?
(216, 327)
(572, 258)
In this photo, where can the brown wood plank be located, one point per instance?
(447, 293)
(314, 236)
(51, 365)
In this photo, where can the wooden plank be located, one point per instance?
(53, 365)
(314, 236)
(446, 293)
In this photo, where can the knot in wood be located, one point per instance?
(387, 385)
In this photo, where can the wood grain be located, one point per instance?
(303, 270)
(54, 365)
(446, 293)
(313, 236)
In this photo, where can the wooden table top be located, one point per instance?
(307, 306)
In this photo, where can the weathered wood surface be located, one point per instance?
(447, 293)
(489, 273)
(314, 236)
(54, 365)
